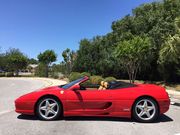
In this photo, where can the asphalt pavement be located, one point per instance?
(12, 123)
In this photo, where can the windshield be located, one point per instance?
(66, 86)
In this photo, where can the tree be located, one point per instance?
(32, 61)
(170, 52)
(46, 58)
(155, 20)
(69, 58)
(58, 70)
(41, 70)
(157, 23)
(169, 55)
(16, 60)
(133, 55)
(3, 61)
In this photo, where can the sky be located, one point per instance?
(34, 26)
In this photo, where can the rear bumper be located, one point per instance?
(164, 105)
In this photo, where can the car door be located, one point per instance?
(74, 102)
(96, 102)
(89, 102)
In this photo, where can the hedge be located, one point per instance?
(109, 79)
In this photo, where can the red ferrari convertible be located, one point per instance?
(144, 102)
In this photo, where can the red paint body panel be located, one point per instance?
(111, 102)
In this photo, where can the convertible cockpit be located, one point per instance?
(106, 85)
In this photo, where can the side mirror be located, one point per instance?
(76, 87)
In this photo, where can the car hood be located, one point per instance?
(49, 89)
(38, 92)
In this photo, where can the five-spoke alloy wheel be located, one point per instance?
(145, 110)
(48, 108)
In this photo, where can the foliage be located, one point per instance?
(9, 74)
(96, 79)
(69, 58)
(2, 74)
(170, 52)
(32, 61)
(3, 61)
(16, 60)
(169, 55)
(153, 20)
(85, 74)
(47, 57)
(92, 79)
(55, 75)
(58, 70)
(41, 70)
(152, 27)
(74, 75)
(109, 79)
(29, 75)
(88, 56)
(133, 55)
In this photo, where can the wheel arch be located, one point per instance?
(144, 96)
(49, 96)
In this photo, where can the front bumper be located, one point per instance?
(24, 107)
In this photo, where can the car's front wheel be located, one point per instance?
(145, 110)
(48, 108)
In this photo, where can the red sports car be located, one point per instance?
(144, 102)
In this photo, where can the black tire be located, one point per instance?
(154, 112)
(57, 115)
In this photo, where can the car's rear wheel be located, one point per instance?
(145, 110)
(48, 108)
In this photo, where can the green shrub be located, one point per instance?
(26, 75)
(85, 74)
(2, 74)
(55, 76)
(109, 79)
(9, 74)
(74, 75)
(86, 83)
(96, 79)
(40, 70)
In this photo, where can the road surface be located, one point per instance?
(12, 123)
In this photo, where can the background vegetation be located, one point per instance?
(144, 45)
(147, 41)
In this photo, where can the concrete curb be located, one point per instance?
(48, 81)
(173, 92)
(51, 82)
(174, 97)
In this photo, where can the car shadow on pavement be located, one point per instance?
(91, 118)
(26, 117)
(162, 118)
